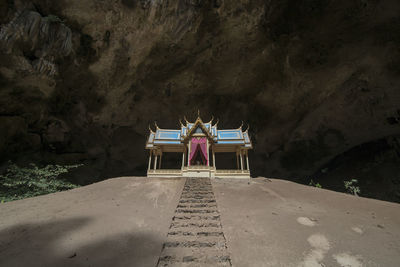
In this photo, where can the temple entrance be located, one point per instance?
(198, 159)
(198, 151)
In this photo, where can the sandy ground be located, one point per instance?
(117, 222)
(266, 222)
(270, 222)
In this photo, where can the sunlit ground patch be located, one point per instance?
(306, 221)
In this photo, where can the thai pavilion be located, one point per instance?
(198, 142)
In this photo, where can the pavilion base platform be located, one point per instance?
(198, 171)
(199, 142)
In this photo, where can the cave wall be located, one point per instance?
(80, 81)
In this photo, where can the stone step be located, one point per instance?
(195, 224)
(195, 244)
(203, 188)
(200, 211)
(205, 205)
(192, 260)
(201, 197)
(196, 217)
(197, 201)
(192, 192)
(196, 234)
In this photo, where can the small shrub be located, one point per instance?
(352, 187)
(318, 185)
(18, 182)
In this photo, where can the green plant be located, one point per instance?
(318, 185)
(352, 187)
(22, 182)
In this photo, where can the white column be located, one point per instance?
(213, 159)
(159, 164)
(247, 160)
(149, 160)
(208, 154)
(189, 144)
(183, 158)
(155, 162)
(241, 160)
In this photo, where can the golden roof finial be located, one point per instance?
(155, 123)
(150, 129)
(248, 127)
(198, 116)
(212, 117)
(216, 122)
(241, 126)
(180, 122)
(184, 117)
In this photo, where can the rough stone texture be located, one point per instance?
(266, 222)
(315, 79)
(119, 222)
(270, 222)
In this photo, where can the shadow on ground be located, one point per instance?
(71, 242)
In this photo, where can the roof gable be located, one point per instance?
(198, 124)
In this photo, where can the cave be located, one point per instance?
(316, 81)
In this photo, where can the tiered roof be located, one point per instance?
(236, 137)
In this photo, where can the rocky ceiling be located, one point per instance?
(316, 80)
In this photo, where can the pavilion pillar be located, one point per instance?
(247, 160)
(189, 144)
(208, 154)
(183, 158)
(148, 169)
(241, 160)
(159, 164)
(155, 162)
(237, 160)
(213, 159)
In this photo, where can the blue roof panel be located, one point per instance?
(230, 134)
(168, 134)
(160, 142)
(231, 142)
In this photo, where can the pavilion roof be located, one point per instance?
(178, 137)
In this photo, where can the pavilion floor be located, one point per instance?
(199, 171)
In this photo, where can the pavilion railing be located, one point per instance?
(177, 171)
(231, 171)
(198, 167)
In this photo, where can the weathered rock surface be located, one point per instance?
(266, 222)
(315, 79)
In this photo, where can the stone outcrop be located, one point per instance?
(315, 79)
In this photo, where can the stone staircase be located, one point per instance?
(195, 237)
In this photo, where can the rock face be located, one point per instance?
(147, 222)
(317, 81)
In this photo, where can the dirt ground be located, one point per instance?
(270, 222)
(266, 222)
(118, 222)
